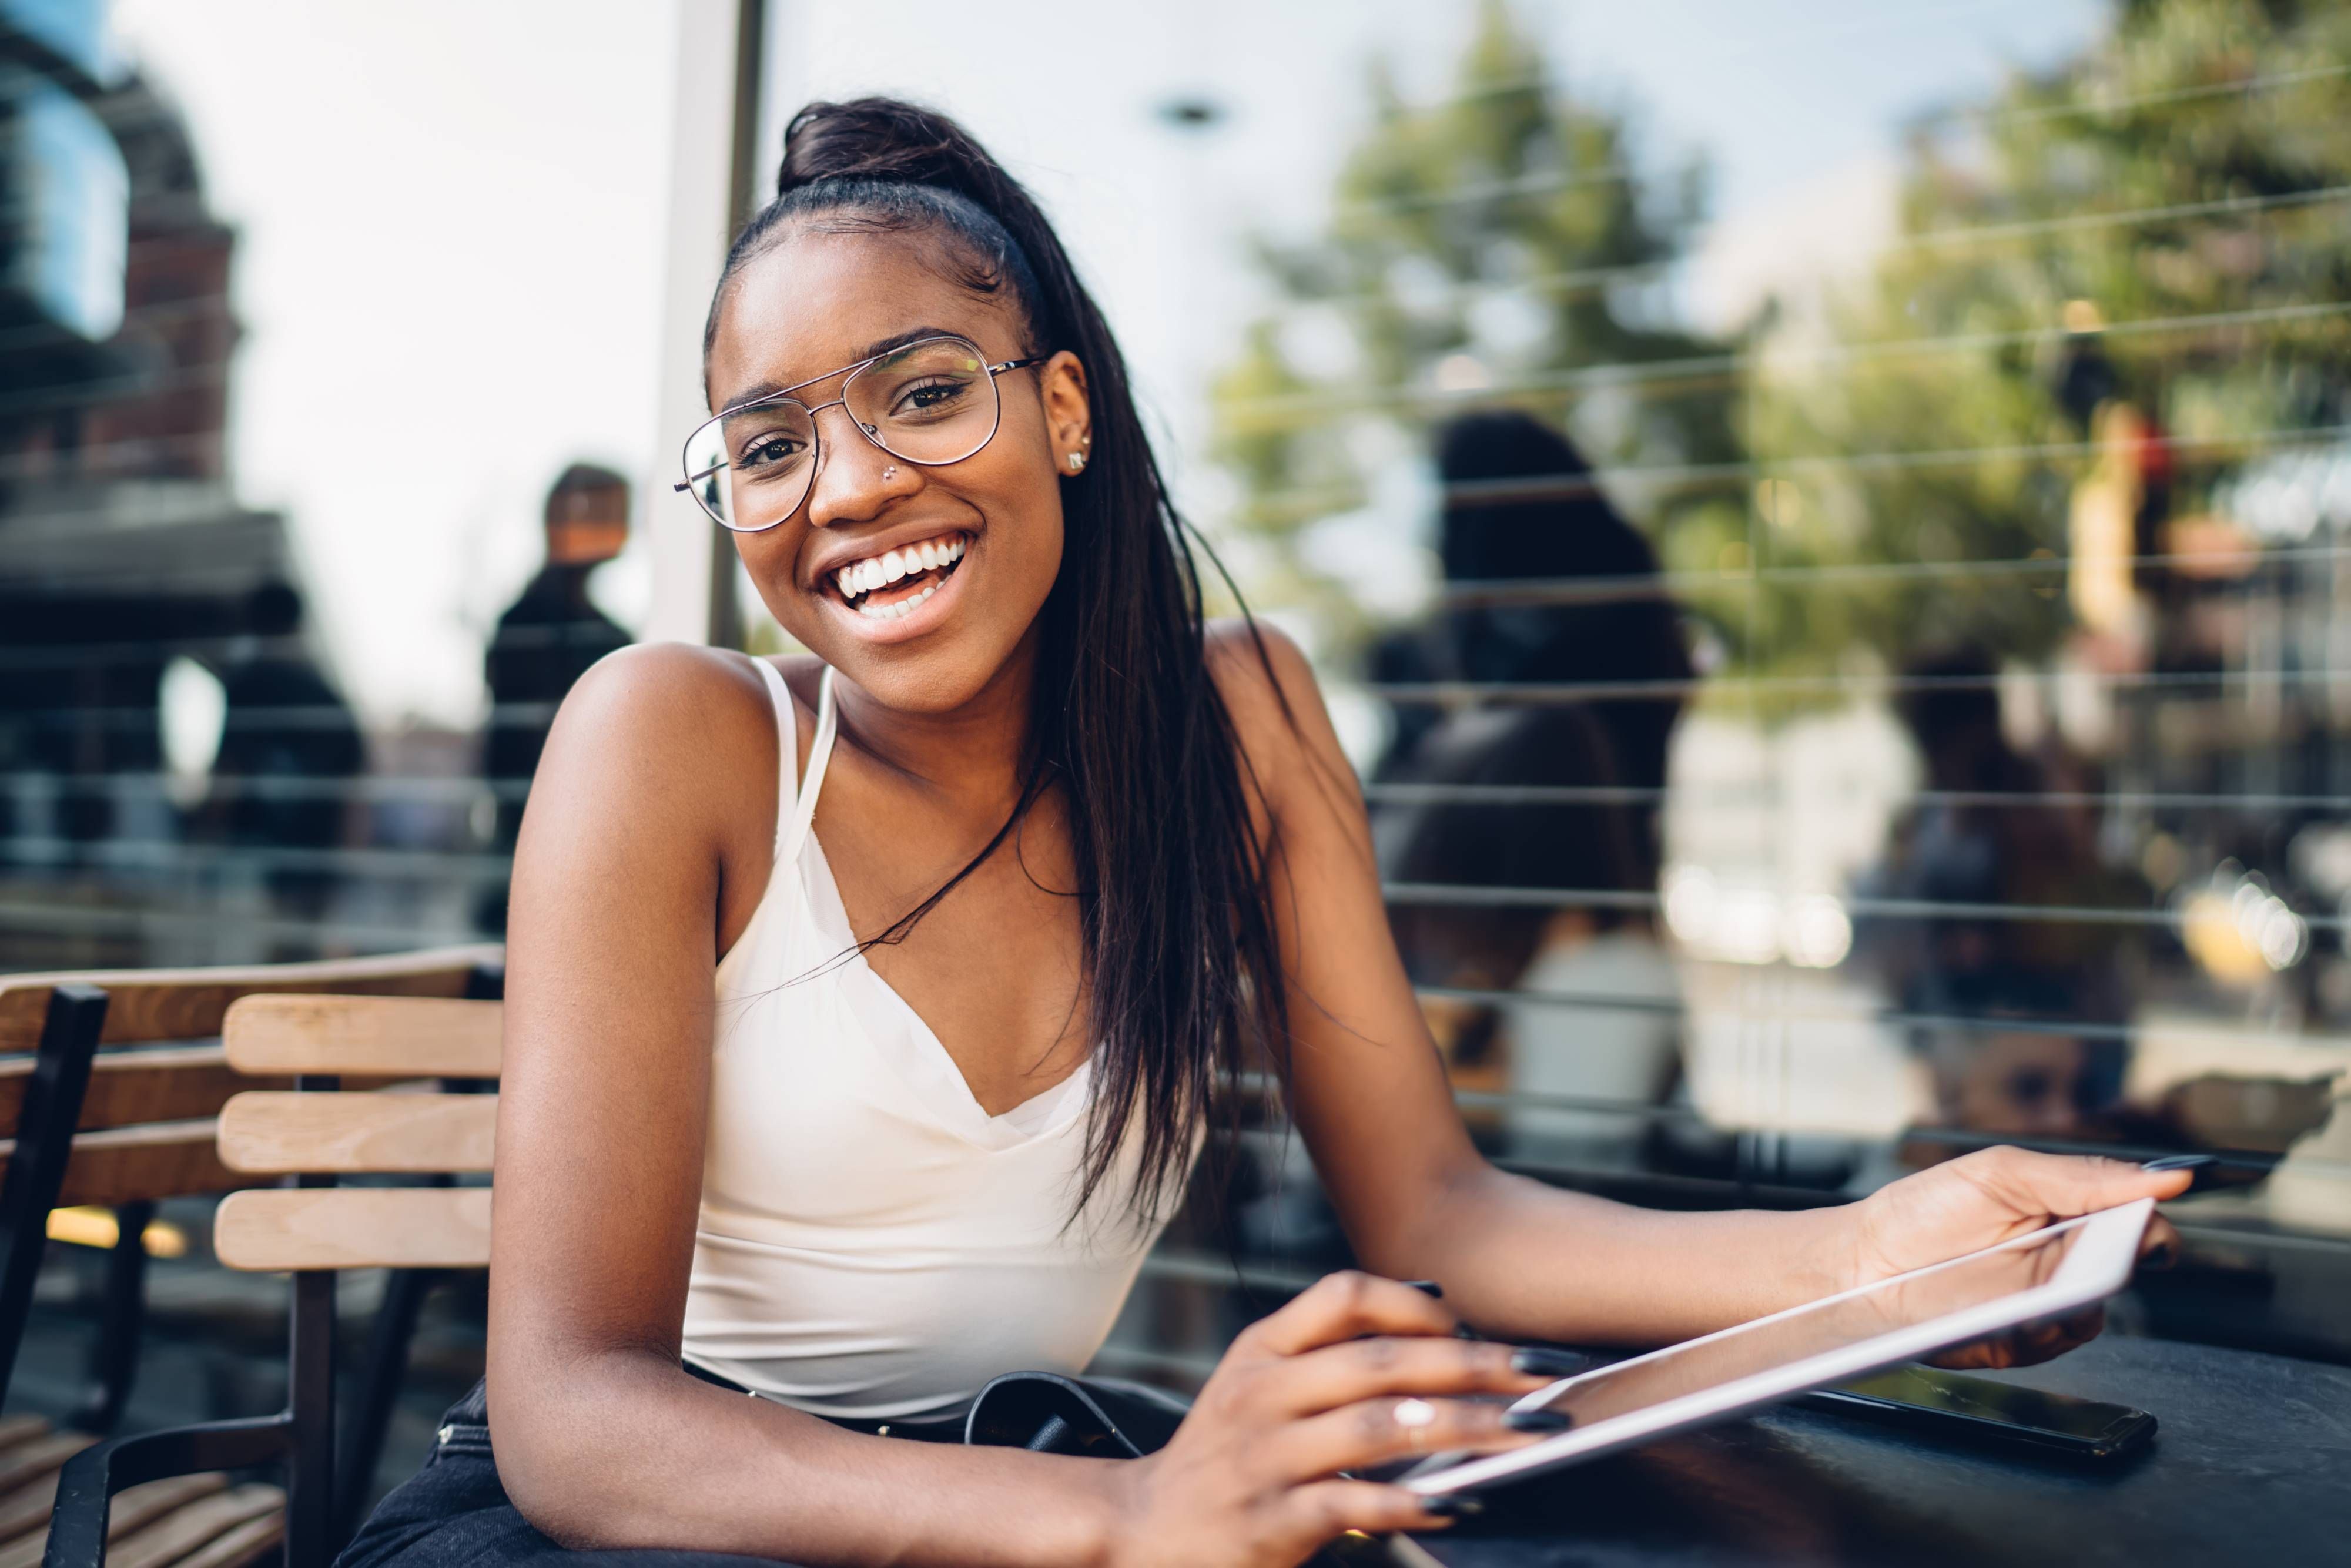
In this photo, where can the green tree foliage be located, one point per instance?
(1494, 248)
(2181, 186)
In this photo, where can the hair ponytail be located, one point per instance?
(1182, 957)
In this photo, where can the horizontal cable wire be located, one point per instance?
(1553, 183)
(133, 718)
(1724, 369)
(1594, 279)
(307, 716)
(1531, 694)
(374, 787)
(1448, 894)
(53, 917)
(1635, 588)
(137, 317)
(233, 648)
(163, 855)
(1642, 795)
(1701, 476)
(446, 789)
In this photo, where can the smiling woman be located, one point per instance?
(866, 1009)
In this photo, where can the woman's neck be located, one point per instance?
(973, 753)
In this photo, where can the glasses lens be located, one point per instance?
(749, 468)
(932, 401)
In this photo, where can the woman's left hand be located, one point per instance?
(1981, 1199)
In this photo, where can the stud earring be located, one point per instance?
(1077, 462)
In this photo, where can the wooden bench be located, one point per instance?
(110, 1098)
(310, 1136)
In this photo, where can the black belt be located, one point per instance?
(922, 1429)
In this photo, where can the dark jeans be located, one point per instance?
(453, 1513)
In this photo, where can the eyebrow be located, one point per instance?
(758, 391)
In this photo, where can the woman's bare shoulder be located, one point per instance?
(1279, 719)
(664, 716)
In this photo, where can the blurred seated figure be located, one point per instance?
(1582, 1016)
(1547, 584)
(547, 640)
(1523, 511)
(288, 739)
(2021, 1021)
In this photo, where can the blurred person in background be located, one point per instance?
(1585, 1004)
(1575, 599)
(2019, 1021)
(854, 1085)
(290, 748)
(546, 641)
(1550, 585)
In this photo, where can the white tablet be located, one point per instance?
(2046, 1275)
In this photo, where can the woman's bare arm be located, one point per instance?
(1517, 1258)
(658, 755)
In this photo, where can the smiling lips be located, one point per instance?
(888, 586)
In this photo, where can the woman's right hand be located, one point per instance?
(1250, 1478)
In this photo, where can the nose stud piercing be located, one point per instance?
(891, 472)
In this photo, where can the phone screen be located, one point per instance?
(1926, 1394)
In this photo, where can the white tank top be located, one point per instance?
(873, 1243)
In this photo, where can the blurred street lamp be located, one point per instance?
(1191, 111)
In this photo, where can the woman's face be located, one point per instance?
(992, 523)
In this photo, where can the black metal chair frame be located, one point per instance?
(46, 1123)
(302, 1439)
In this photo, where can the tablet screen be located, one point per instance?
(1900, 1303)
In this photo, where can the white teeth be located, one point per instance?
(880, 572)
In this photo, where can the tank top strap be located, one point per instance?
(787, 742)
(794, 833)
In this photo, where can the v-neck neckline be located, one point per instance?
(930, 1065)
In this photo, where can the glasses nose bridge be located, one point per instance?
(823, 453)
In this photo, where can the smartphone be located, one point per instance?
(1979, 1409)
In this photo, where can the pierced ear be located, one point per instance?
(1067, 413)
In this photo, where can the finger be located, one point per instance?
(1341, 1375)
(1310, 1516)
(1374, 1431)
(1347, 1305)
(2063, 1185)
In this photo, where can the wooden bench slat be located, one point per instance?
(266, 1131)
(133, 1507)
(278, 1229)
(197, 1524)
(15, 1429)
(188, 1004)
(126, 1164)
(248, 1542)
(410, 1037)
(166, 1084)
(28, 1461)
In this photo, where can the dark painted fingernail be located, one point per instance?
(1536, 1362)
(2175, 1163)
(1427, 1288)
(1539, 1420)
(1453, 1505)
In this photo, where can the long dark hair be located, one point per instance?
(1180, 950)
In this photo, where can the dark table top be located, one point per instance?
(2250, 1464)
